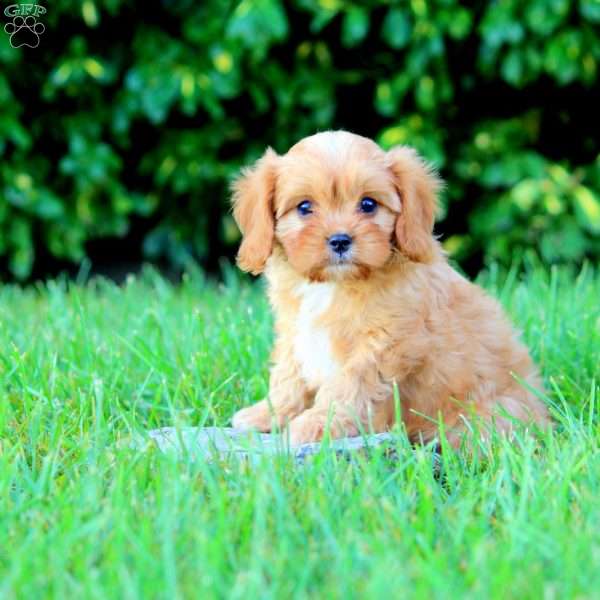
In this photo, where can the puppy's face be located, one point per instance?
(337, 205)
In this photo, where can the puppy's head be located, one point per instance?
(338, 205)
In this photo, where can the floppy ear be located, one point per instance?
(253, 193)
(418, 185)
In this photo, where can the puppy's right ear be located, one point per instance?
(253, 196)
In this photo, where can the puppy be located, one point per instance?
(365, 300)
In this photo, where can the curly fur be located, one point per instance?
(394, 313)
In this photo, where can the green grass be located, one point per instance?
(83, 514)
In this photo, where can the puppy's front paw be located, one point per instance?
(310, 426)
(258, 416)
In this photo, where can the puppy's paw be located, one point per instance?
(310, 426)
(258, 416)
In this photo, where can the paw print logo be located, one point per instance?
(24, 31)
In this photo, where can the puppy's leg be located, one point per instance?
(345, 405)
(502, 415)
(288, 397)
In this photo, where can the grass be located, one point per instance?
(83, 514)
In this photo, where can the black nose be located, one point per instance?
(339, 242)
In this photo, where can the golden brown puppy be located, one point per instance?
(364, 298)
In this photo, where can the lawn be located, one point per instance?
(83, 514)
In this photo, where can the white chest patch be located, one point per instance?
(312, 345)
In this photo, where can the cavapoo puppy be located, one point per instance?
(364, 299)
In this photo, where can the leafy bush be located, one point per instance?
(127, 121)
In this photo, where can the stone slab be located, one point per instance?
(210, 443)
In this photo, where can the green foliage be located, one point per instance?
(127, 120)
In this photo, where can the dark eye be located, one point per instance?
(367, 205)
(305, 207)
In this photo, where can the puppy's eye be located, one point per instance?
(367, 205)
(305, 207)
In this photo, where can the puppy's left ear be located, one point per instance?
(253, 195)
(418, 186)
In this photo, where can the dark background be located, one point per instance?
(121, 130)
